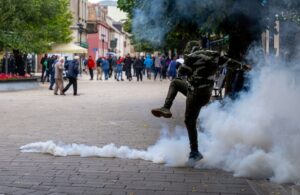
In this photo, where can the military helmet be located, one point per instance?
(192, 46)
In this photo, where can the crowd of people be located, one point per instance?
(56, 69)
(17, 63)
(157, 67)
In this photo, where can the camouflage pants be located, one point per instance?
(194, 102)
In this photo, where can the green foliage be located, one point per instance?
(242, 20)
(181, 34)
(182, 30)
(32, 25)
(127, 5)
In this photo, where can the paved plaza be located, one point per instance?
(104, 112)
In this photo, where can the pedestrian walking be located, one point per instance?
(128, 66)
(157, 67)
(172, 71)
(139, 66)
(114, 65)
(52, 62)
(148, 65)
(59, 83)
(46, 76)
(44, 66)
(105, 68)
(120, 69)
(112, 60)
(164, 67)
(91, 65)
(99, 68)
(72, 73)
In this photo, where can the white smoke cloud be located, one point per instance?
(256, 136)
(149, 24)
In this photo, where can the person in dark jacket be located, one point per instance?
(128, 65)
(235, 78)
(11, 64)
(19, 62)
(72, 74)
(114, 66)
(99, 68)
(139, 66)
(43, 63)
(52, 62)
(200, 68)
(163, 67)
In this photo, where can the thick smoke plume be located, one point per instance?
(255, 136)
(258, 135)
(152, 20)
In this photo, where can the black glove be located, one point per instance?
(184, 71)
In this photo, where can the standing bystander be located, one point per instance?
(59, 83)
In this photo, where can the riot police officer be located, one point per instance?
(199, 69)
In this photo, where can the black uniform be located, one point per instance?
(138, 66)
(127, 65)
(200, 68)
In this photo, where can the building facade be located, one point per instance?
(117, 38)
(98, 37)
(79, 9)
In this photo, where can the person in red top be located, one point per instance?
(120, 69)
(91, 65)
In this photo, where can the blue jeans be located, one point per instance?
(52, 80)
(106, 74)
(157, 71)
(119, 72)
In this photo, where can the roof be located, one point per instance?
(104, 24)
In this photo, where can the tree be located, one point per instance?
(168, 23)
(33, 25)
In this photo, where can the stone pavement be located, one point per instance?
(105, 112)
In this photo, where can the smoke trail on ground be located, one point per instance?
(161, 152)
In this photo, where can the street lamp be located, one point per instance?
(80, 31)
(103, 37)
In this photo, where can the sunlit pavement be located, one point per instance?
(104, 112)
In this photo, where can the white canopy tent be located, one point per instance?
(68, 48)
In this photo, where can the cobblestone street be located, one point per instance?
(103, 113)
